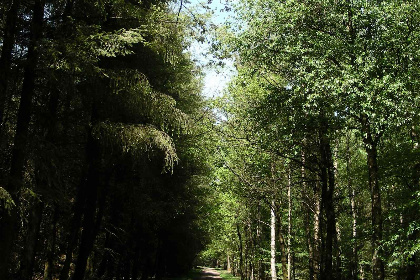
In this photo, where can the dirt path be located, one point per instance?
(209, 274)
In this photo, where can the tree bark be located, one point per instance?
(51, 242)
(377, 263)
(412, 268)
(105, 258)
(289, 225)
(327, 202)
(273, 241)
(31, 240)
(337, 232)
(51, 135)
(92, 184)
(317, 233)
(307, 209)
(135, 268)
(6, 56)
(147, 263)
(8, 227)
(74, 229)
(9, 221)
(88, 237)
(338, 262)
(283, 251)
(354, 259)
(309, 244)
(378, 271)
(241, 260)
(25, 106)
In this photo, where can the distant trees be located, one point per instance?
(104, 150)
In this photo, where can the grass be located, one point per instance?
(195, 274)
(226, 275)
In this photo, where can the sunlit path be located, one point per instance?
(208, 273)
(272, 140)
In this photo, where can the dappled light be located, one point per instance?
(209, 140)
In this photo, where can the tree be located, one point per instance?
(330, 55)
(115, 122)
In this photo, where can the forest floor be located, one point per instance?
(208, 273)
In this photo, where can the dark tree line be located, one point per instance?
(101, 120)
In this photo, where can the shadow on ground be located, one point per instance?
(207, 273)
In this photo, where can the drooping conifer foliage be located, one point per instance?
(102, 146)
(112, 165)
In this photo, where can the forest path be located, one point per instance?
(208, 273)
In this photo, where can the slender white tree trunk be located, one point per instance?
(289, 230)
(354, 235)
(273, 241)
(354, 259)
(317, 238)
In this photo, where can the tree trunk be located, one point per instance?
(337, 235)
(309, 244)
(105, 258)
(327, 201)
(241, 260)
(412, 268)
(273, 242)
(354, 258)
(283, 250)
(31, 240)
(88, 237)
(135, 268)
(362, 272)
(160, 261)
(51, 135)
(412, 260)
(74, 229)
(6, 56)
(25, 106)
(127, 266)
(317, 233)
(8, 227)
(378, 272)
(9, 221)
(147, 263)
(289, 226)
(338, 263)
(51, 242)
(307, 209)
(371, 141)
(88, 233)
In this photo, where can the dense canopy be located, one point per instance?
(113, 165)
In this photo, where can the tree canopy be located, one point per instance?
(113, 165)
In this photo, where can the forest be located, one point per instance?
(115, 165)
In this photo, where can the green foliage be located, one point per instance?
(120, 135)
(7, 202)
(116, 43)
(227, 276)
(315, 71)
(135, 139)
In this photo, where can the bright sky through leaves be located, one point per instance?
(216, 77)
